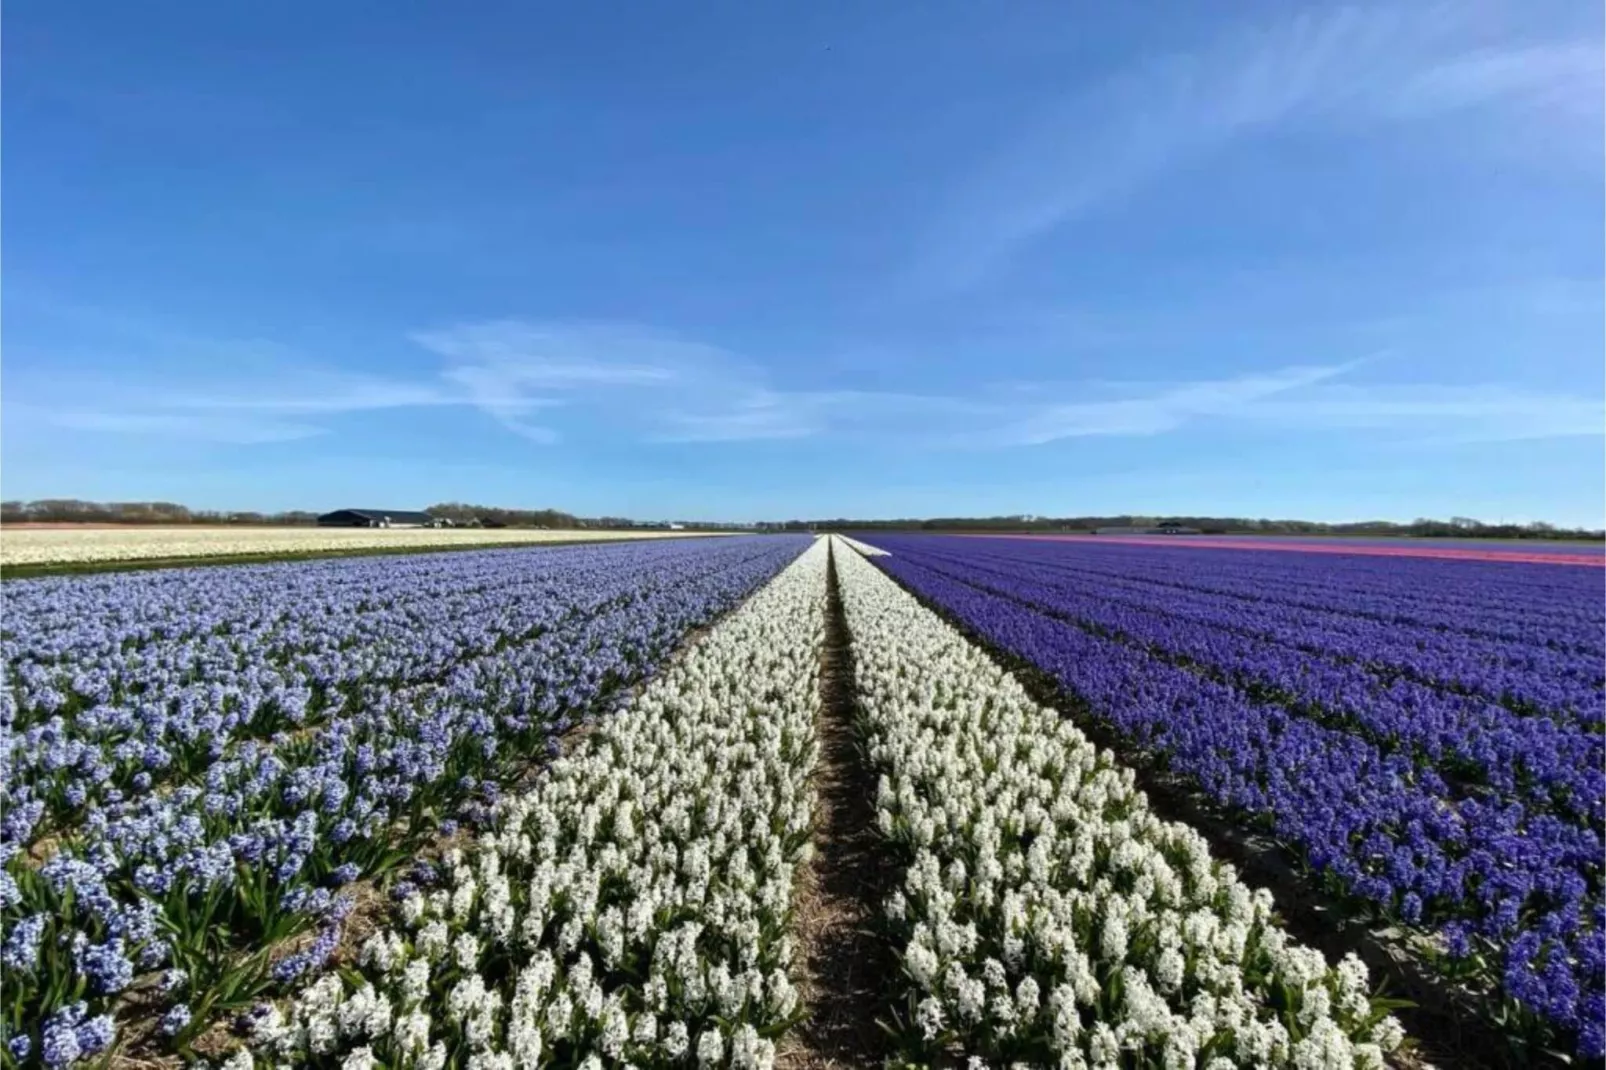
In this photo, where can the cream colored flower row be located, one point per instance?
(863, 548)
(1046, 916)
(634, 907)
(64, 546)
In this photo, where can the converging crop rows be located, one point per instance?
(1426, 736)
(197, 762)
(555, 807)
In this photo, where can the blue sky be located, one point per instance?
(736, 260)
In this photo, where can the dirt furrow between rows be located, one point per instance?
(844, 965)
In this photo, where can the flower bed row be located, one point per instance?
(1462, 744)
(1563, 681)
(863, 548)
(632, 907)
(1530, 604)
(189, 659)
(207, 862)
(1046, 916)
(78, 544)
(116, 686)
(1504, 899)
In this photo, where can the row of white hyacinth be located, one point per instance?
(1046, 916)
(631, 909)
(863, 547)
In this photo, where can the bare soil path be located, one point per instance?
(845, 966)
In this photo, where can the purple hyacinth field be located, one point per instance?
(1423, 737)
(204, 768)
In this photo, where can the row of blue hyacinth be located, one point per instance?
(1547, 759)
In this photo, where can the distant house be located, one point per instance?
(375, 518)
(677, 527)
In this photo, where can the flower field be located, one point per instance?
(562, 807)
(198, 761)
(1046, 917)
(81, 545)
(634, 904)
(1425, 735)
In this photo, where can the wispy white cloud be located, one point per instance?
(1560, 79)
(567, 356)
(857, 415)
(1158, 409)
(642, 385)
(1335, 67)
(657, 387)
(315, 394)
(1480, 413)
(509, 368)
(224, 429)
(755, 417)
(501, 400)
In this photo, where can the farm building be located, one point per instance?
(375, 518)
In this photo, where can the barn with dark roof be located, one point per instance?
(375, 518)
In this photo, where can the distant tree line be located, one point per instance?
(498, 517)
(73, 511)
(491, 516)
(1423, 527)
